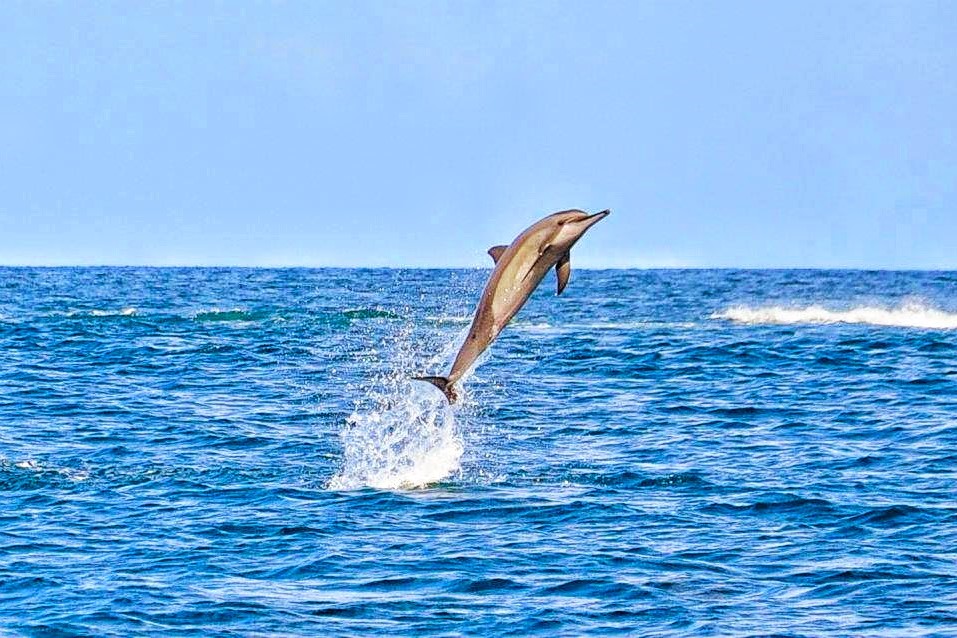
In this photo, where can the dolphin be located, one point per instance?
(519, 268)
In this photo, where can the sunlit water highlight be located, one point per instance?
(233, 452)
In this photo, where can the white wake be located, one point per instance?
(907, 315)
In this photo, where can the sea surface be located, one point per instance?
(240, 452)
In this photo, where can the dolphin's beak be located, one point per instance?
(591, 220)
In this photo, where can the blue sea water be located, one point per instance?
(239, 452)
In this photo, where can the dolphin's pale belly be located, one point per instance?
(514, 284)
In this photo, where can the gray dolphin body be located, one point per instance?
(519, 268)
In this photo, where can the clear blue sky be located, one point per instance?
(775, 134)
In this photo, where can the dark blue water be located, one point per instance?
(232, 452)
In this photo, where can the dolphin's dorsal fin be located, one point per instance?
(496, 252)
(563, 269)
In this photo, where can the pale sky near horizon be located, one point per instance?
(733, 134)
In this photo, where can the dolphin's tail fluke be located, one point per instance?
(443, 384)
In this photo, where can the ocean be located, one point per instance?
(240, 452)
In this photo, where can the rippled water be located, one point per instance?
(230, 452)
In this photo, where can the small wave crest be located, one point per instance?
(123, 312)
(229, 315)
(369, 313)
(30, 470)
(908, 315)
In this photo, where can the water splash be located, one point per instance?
(408, 444)
(409, 437)
(907, 315)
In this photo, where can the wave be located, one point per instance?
(234, 314)
(908, 315)
(123, 312)
(18, 474)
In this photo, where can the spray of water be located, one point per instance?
(407, 436)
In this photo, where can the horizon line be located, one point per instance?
(381, 267)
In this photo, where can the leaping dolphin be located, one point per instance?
(519, 268)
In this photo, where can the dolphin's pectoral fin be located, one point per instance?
(496, 252)
(443, 384)
(563, 269)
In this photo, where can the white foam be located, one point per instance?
(216, 310)
(409, 438)
(35, 466)
(124, 312)
(907, 315)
